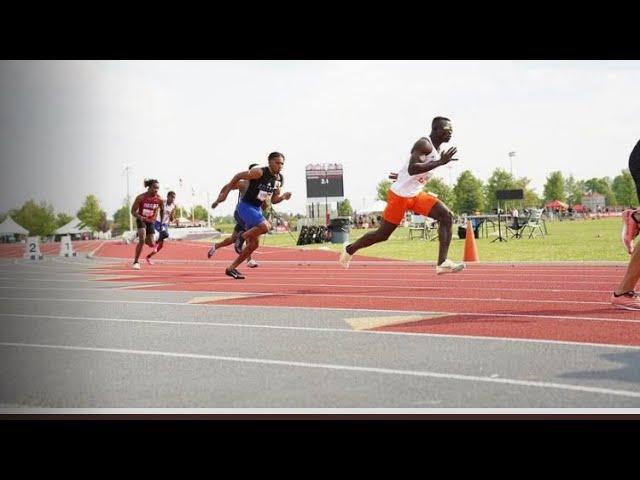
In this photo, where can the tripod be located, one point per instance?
(499, 239)
(273, 213)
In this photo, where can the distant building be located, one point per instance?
(593, 200)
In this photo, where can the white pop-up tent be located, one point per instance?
(377, 207)
(74, 227)
(10, 227)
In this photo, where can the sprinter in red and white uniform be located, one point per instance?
(145, 210)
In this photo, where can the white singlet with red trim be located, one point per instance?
(411, 185)
(168, 209)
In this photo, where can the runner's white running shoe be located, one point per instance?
(449, 267)
(136, 266)
(345, 258)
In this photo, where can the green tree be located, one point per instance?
(554, 187)
(103, 223)
(624, 189)
(121, 220)
(574, 190)
(344, 208)
(531, 198)
(182, 212)
(38, 219)
(595, 185)
(499, 180)
(468, 193)
(199, 213)
(439, 187)
(604, 187)
(382, 188)
(63, 219)
(90, 213)
(3, 216)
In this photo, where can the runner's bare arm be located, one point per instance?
(418, 162)
(252, 174)
(134, 208)
(277, 198)
(162, 210)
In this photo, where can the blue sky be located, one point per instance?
(70, 128)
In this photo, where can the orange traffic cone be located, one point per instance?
(470, 247)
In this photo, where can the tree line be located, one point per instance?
(470, 193)
(41, 219)
(467, 195)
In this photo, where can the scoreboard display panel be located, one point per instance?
(324, 180)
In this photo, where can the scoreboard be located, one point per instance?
(324, 180)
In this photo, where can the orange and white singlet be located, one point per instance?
(411, 185)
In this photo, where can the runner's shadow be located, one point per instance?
(629, 372)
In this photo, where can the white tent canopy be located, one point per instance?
(9, 227)
(72, 228)
(376, 207)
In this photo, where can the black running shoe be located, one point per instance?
(234, 273)
(237, 246)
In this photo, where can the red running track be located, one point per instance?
(192, 250)
(567, 302)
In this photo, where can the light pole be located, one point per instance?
(511, 155)
(126, 169)
(193, 205)
(326, 193)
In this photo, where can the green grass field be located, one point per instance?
(579, 240)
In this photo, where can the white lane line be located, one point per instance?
(399, 273)
(329, 366)
(159, 280)
(71, 280)
(322, 329)
(332, 275)
(392, 283)
(341, 295)
(243, 306)
(390, 262)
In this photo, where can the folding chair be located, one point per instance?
(533, 223)
(515, 229)
(430, 229)
(418, 226)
